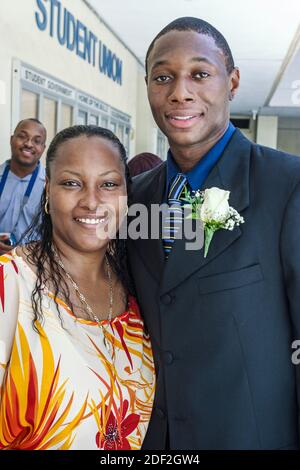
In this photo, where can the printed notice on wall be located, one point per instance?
(47, 83)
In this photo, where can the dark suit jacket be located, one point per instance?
(222, 327)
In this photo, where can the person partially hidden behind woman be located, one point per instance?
(76, 367)
(143, 162)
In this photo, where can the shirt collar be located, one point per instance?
(199, 173)
(41, 173)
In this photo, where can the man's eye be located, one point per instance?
(201, 75)
(162, 79)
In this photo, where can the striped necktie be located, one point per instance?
(173, 219)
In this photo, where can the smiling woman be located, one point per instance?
(87, 195)
(73, 335)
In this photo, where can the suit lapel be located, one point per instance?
(151, 250)
(230, 173)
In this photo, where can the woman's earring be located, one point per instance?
(46, 207)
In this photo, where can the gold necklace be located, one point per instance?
(82, 298)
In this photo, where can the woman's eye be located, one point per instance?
(109, 184)
(71, 184)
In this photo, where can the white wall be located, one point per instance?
(146, 129)
(266, 133)
(20, 38)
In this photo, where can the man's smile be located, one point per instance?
(183, 120)
(27, 152)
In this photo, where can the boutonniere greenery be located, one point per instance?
(212, 208)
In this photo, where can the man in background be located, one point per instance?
(22, 179)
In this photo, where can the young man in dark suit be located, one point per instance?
(222, 326)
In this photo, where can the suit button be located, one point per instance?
(169, 358)
(160, 413)
(167, 299)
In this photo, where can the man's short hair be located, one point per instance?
(33, 120)
(189, 23)
(30, 119)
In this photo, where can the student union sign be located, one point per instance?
(71, 33)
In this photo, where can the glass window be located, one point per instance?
(58, 113)
(93, 119)
(82, 118)
(29, 104)
(66, 119)
(113, 127)
(120, 132)
(104, 122)
(49, 117)
(127, 139)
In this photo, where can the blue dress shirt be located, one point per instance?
(201, 170)
(11, 201)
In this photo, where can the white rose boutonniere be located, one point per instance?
(215, 205)
(212, 208)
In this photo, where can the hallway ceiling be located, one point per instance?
(264, 38)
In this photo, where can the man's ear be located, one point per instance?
(234, 82)
(146, 79)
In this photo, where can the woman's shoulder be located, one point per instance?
(23, 253)
(8, 261)
(9, 280)
(16, 260)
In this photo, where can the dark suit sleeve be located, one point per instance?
(290, 258)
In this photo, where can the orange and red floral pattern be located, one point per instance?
(60, 389)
